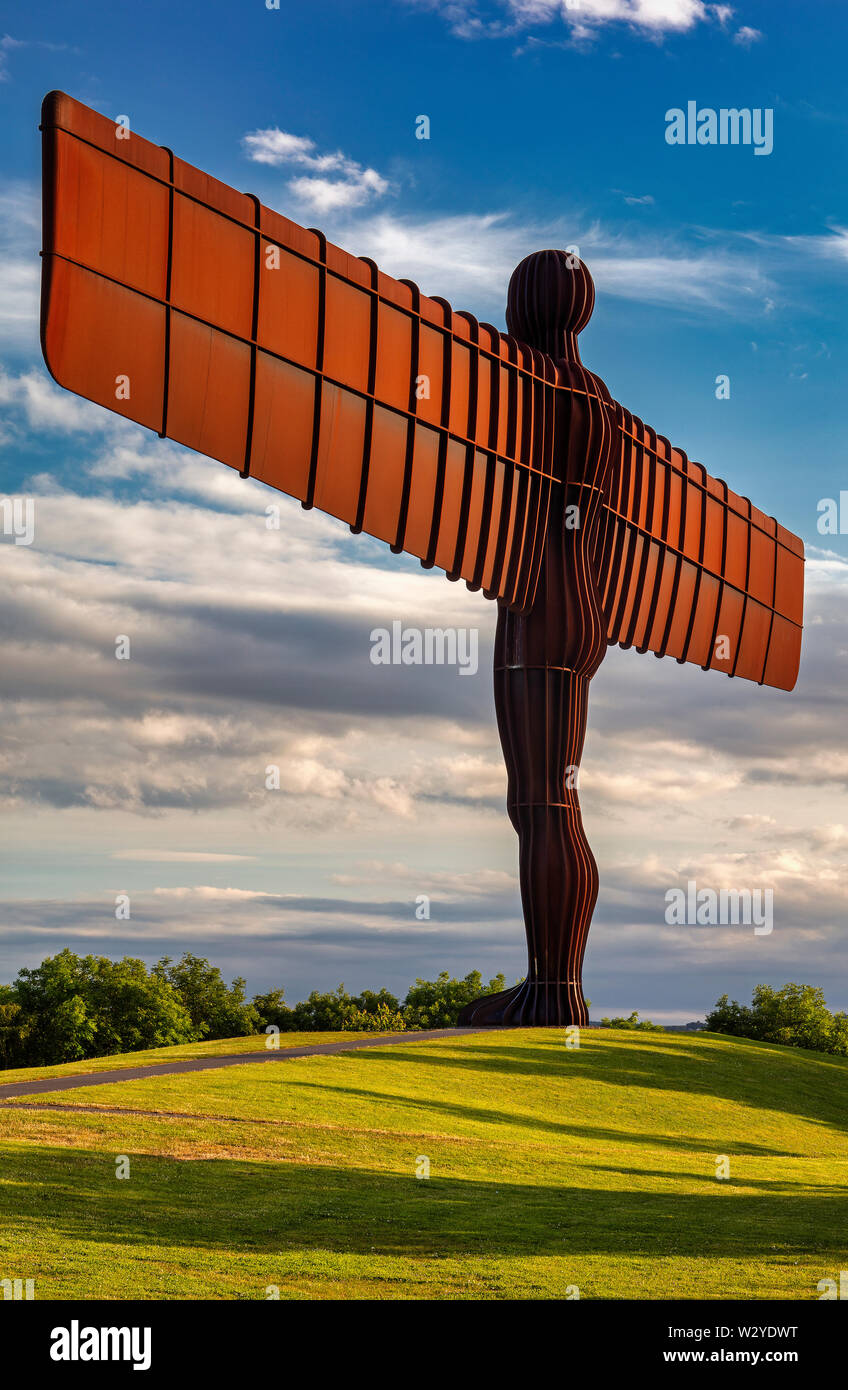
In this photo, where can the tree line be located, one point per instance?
(73, 1007)
(796, 1015)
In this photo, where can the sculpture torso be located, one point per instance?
(565, 626)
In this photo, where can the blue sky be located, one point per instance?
(547, 126)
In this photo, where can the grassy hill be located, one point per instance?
(257, 1042)
(549, 1168)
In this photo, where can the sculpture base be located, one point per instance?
(532, 1004)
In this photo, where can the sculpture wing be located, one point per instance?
(181, 304)
(683, 563)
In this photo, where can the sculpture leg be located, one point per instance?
(544, 662)
(557, 870)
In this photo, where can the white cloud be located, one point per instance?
(153, 734)
(831, 245)
(275, 146)
(659, 771)
(465, 253)
(375, 874)
(584, 19)
(656, 16)
(45, 406)
(325, 195)
(157, 465)
(20, 231)
(746, 36)
(353, 186)
(180, 856)
(469, 258)
(19, 290)
(7, 43)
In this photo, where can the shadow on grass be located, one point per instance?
(479, 1114)
(239, 1207)
(789, 1186)
(786, 1079)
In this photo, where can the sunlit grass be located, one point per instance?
(550, 1169)
(256, 1042)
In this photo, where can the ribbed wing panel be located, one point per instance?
(177, 302)
(190, 308)
(691, 570)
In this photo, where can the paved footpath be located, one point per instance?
(230, 1059)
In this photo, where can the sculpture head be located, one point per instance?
(550, 299)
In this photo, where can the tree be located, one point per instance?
(273, 1010)
(796, 1016)
(437, 1003)
(72, 1007)
(216, 1010)
(733, 1018)
(13, 1029)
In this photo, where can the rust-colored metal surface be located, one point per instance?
(685, 562)
(261, 344)
(188, 307)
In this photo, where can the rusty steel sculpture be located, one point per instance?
(194, 310)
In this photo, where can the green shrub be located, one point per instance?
(335, 1011)
(633, 1024)
(429, 1004)
(437, 1003)
(381, 1019)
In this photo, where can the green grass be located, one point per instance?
(549, 1168)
